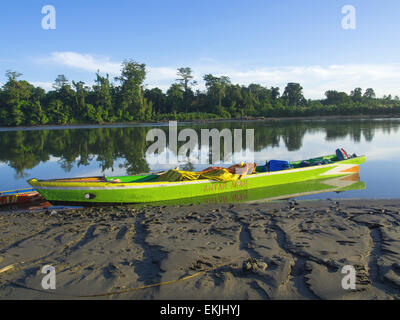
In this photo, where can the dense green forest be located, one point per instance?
(125, 99)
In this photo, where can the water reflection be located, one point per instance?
(122, 150)
(23, 150)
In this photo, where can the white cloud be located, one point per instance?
(315, 79)
(45, 85)
(84, 62)
(157, 76)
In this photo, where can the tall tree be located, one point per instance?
(67, 97)
(185, 79)
(293, 94)
(80, 96)
(334, 97)
(132, 78)
(17, 94)
(216, 87)
(175, 97)
(102, 97)
(60, 82)
(158, 98)
(275, 93)
(356, 95)
(369, 94)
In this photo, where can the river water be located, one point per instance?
(121, 149)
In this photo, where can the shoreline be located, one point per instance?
(247, 251)
(165, 122)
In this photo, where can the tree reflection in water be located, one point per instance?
(24, 150)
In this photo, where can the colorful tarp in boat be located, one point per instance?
(179, 175)
(232, 173)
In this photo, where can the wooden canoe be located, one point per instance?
(145, 189)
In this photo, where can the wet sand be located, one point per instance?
(276, 250)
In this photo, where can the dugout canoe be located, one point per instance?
(144, 189)
(276, 192)
(19, 196)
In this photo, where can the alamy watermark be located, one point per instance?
(49, 280)
(349, 20)
(49, 20)
(196, 150)
(349, 280)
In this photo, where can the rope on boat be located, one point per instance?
(11, 266)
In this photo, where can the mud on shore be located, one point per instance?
(276, 250)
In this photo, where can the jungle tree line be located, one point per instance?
(125, 99)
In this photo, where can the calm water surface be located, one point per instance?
(120, 150)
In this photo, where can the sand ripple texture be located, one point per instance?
(278, 250)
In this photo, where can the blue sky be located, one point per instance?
(261, 41)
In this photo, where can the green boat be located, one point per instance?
(144, 188)
(273, 193)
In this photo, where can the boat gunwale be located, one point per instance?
(23, 191)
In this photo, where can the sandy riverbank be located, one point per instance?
(279, 250)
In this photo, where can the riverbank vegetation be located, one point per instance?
(125, 99)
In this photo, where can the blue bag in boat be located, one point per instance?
(277, 165)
